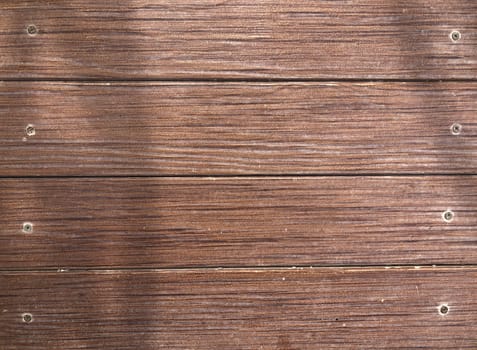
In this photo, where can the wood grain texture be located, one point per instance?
(241, 309)
(171, 39)
(237, 128)
(122, 108)
(197, 222)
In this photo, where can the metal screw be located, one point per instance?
(455, 35)
(32, 30)
(456, 129)
(448, 216)
(27, 318)
(443, 309)
(30, 130)
(27, 227)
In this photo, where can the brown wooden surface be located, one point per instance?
(238, 39)
(240, 309)
(237, 128)
(325, 130)
(180, 222)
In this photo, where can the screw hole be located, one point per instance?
(456, 128)
(27, 318)
(443, 309)
(27, 227)
(30, 130)
(32, 30)
(455, 36)
(448, 216)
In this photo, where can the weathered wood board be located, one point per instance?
(240, 309)
(238, 39)
(199, 222)
(237, 128)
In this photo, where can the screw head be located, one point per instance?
(27, 227)
(30, 130)
(32, 29)
(443, 309)
(456, 129)
(27, 318)
(448, 216)
(455, 35)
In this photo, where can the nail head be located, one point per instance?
(448, 216)
(455, 35)
(30, 130)
(443, 309)
(456, 129)
(27, 318)
(27, 227)
(32, 29)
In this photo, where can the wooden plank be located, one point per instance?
(168, 39)
(237, 128)
(241, 309)
(183, 222)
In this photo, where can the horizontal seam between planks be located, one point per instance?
(231, 176)
(244, 267)
(237, 80)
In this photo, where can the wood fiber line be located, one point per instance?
(171, 39)
(241, 309)
(237, 128)
(197, 222)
